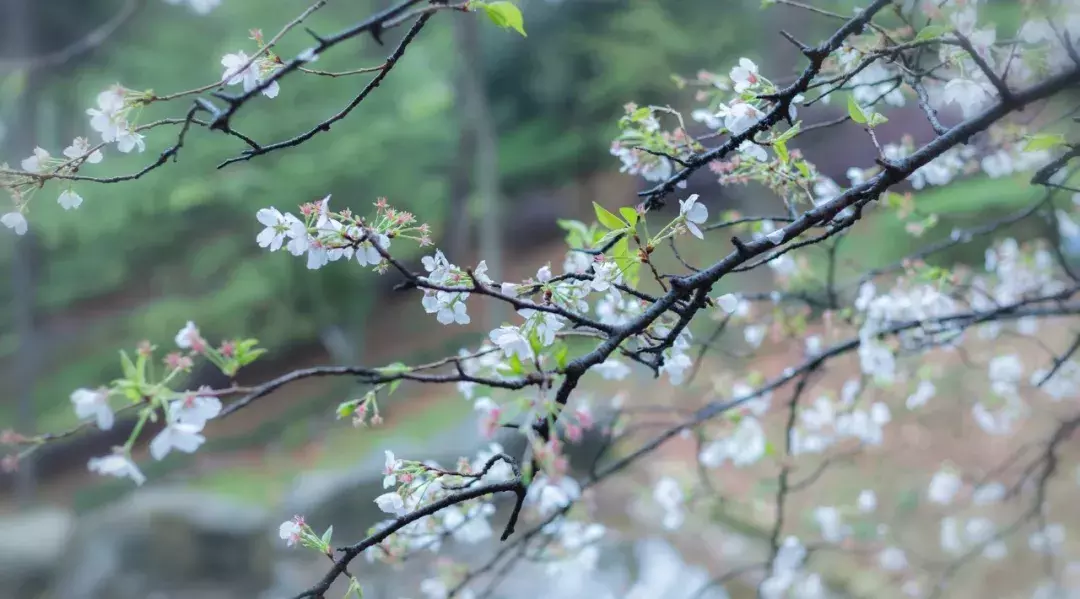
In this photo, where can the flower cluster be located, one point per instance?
(184, 413)
(325, 236)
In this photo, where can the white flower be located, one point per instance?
(472, 527)
(249, 76)
(95, 404)
(744, 76)
(612, 370)
(290, 531)
(752, 150)
(454, 312)
(391, 503)
(669, 495)
(892, 559)
(988, 494)
(127, 140)
(437, 266)
(739, 116)
(35, 163)
(969, 95)
(117, 465)
(195, 409)
(728, 302)
(755, 334)
(81, 147)
(1048, 540)
(390, 469)
(675, 365)
(15, 221)
(551, 496)
(1005, 373)
(545, 324)
(107, 118)
(182, 436)
(69, 199)
(693, 214)
(943, 487)
(828, 520)
(187, 336)
(867, 501)
(922, 394)
(278, 226)
(510, 340)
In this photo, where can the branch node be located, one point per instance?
(740, 246)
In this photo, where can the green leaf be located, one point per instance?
(629, 214)
(930, 32)
(346, 408)
(640, 114)
(770, 449)
(855, 111)
(505, 15)
(1044, 141)
(562, 355)
(327, 535)
(395, 368)
(781, 151)
(515, 364)
(608, 219)
(786, 135)
(130, 372)
(804, 168)
(249, 356)
(876, 118)
(393, 387)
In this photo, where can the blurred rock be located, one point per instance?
(166, 544)
(31, 546)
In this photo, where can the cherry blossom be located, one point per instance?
(93, 404)
(69, 200)
(867, 500)
(15, 221)
(291, 531)
(80, 148)
(390, 470)
(37, 162)
(117, 465)
(693, 214)
(744, 76)
(892, 559)
(278, 227)
(195, 409)
(391, 503)
(969, 95)
(943, 487)
(107, 118)
(182, 436)
(250, 76)
(189, 338)
(669, 496)
(612, 369)
(510, 340)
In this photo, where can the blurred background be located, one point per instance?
(487, 136)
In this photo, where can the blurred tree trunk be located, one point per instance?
(18, 30)
(459, 218)
(485, 166)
